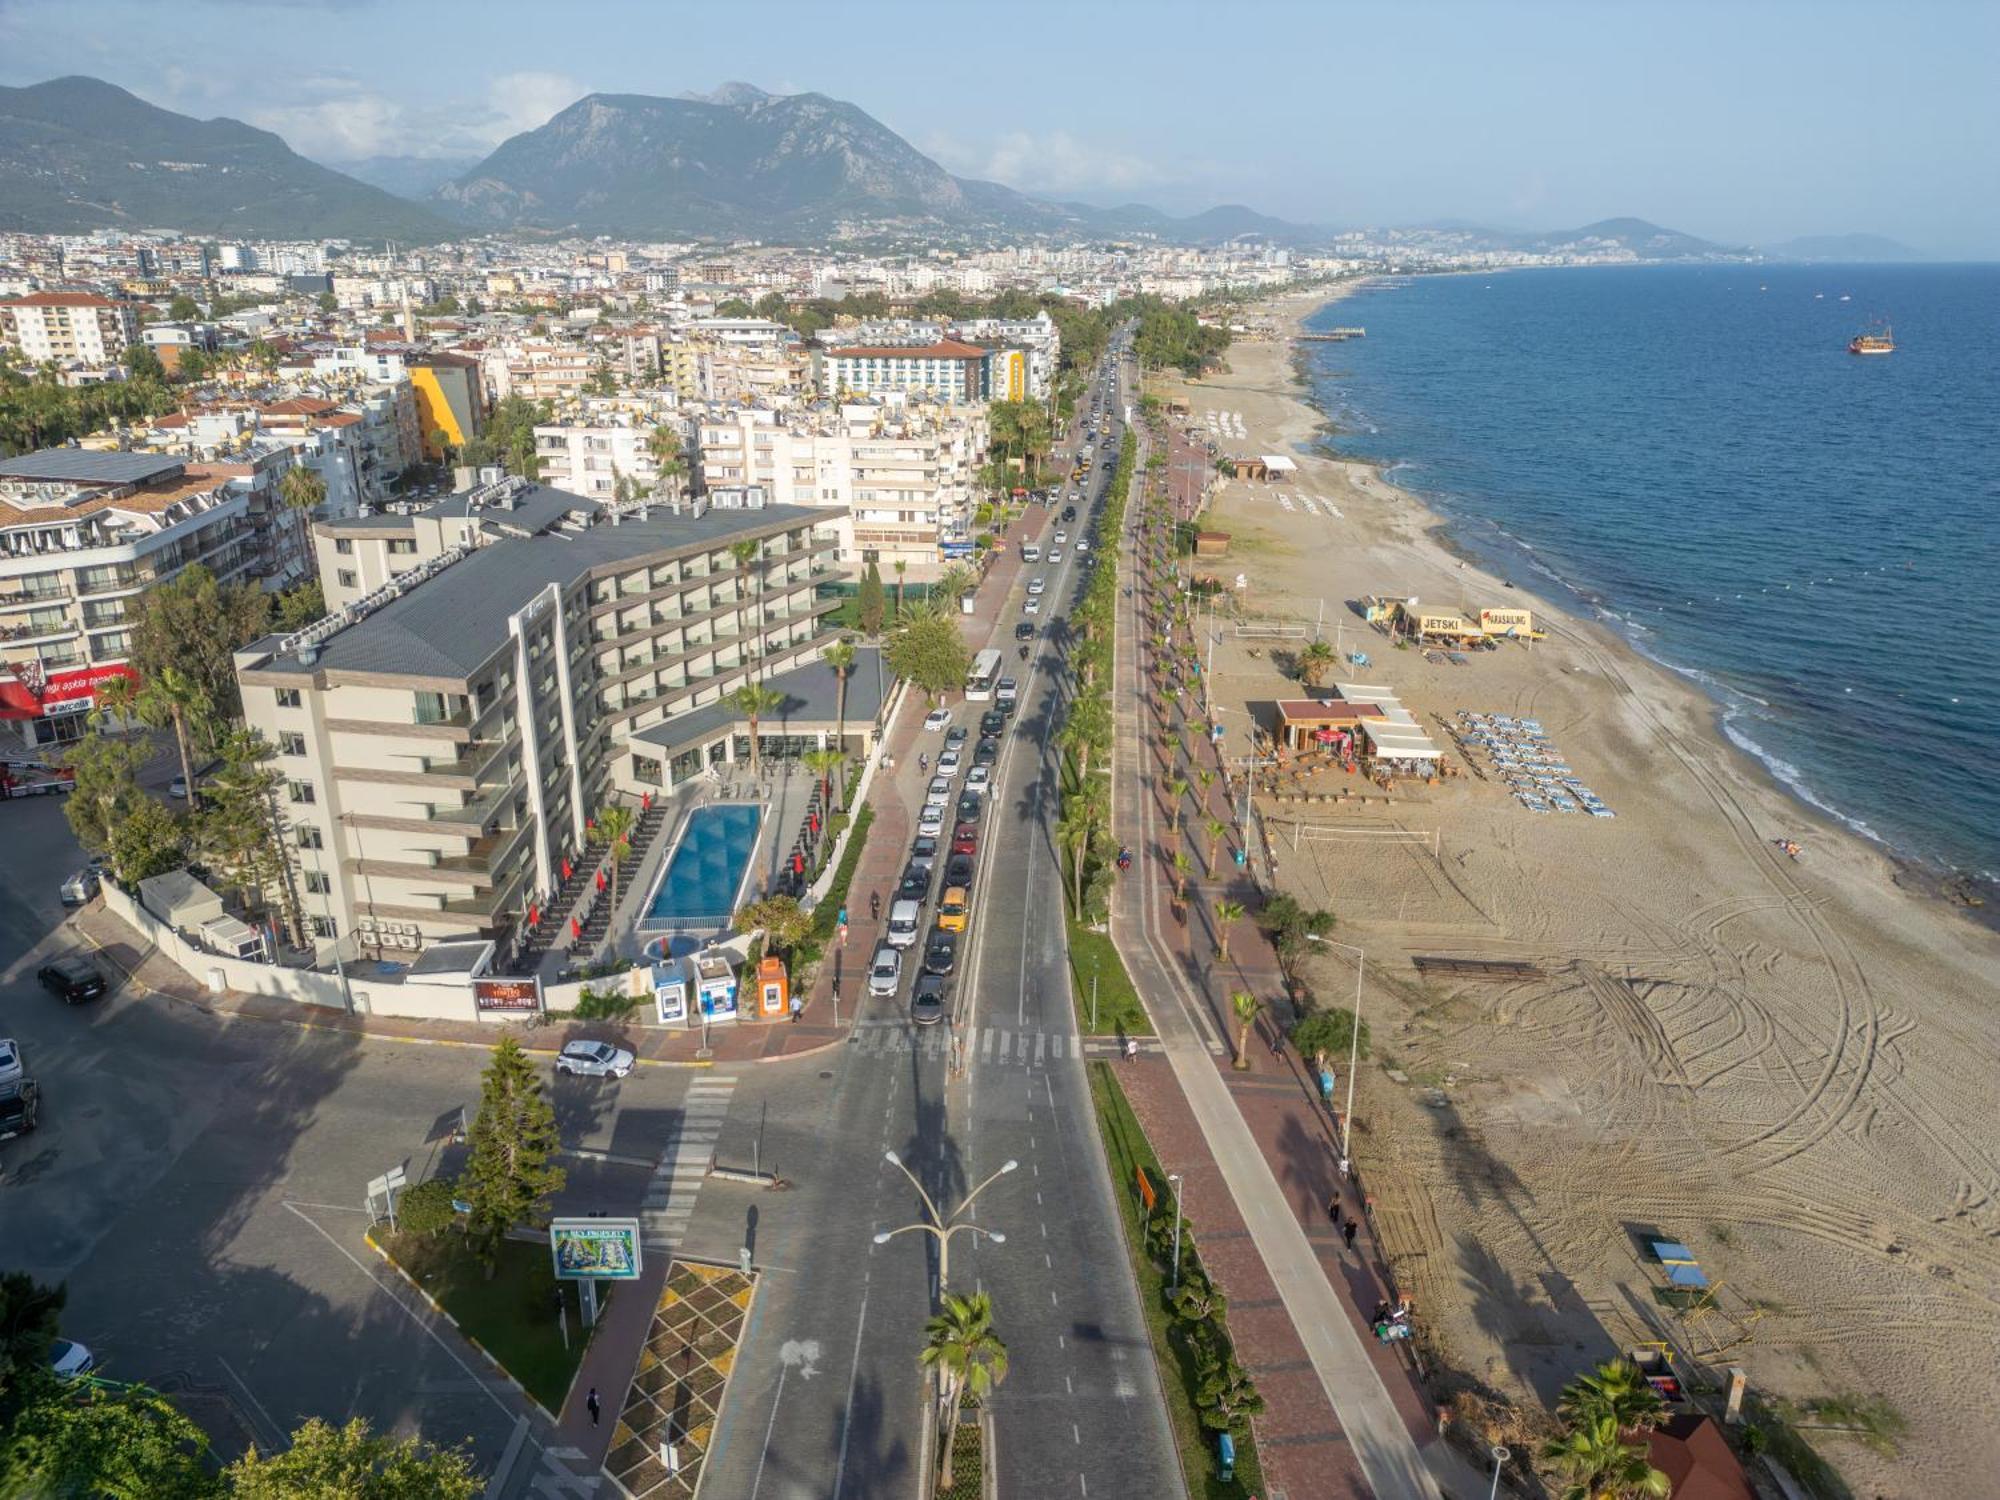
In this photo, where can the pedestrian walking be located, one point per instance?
(1347, 1229)
(590, 1402)
(798, 1006)
(1333, 1209)
(1131, 1048)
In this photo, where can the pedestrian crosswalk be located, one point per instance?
(997, 1045)
(684, 1163)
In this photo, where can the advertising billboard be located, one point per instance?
(595, 1249)
(513, 996)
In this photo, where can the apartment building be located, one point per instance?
(946, 370)
(590, 458)
(445, 739)
(83, 534)
(902, 476)
(68, 328)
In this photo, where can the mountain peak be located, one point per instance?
(733, 95)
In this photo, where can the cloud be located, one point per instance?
(339, 118)
(1048, 162)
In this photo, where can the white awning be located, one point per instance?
(1277, 463)
(1400, 742)
(1354, 692)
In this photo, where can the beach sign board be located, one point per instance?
(595, 1249)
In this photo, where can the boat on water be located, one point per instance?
(1875, 341)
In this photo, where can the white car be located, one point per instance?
(11, 1066)
(977, 778)
(70, 1360)
(930, 823)
(947, 763)
(939, 792)
(1060, 537)
(1032, 606)
(885, 972)
(1082, 545)
(1056, 556)
(594, 1060)
(1036, 587)
(938, 719)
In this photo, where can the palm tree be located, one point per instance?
(1215, 828)
(302, 492)
(171, 696)
(902, 567)
(840, 656)
(746, 553)
(1074, 831)
(1246, 1006)
(664, 444)
(753, 700)
(614, 826)
(1314, 662)
(1205, 778)
(1226, 913)
(823, 763)
(1183, 867)
(1616, 1389)
(115, 698)
(967, 1356)
(1177, 789)
(1600, 1465)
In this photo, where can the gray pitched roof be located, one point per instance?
(89, 467)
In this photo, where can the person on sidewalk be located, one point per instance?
(590, 1404)
(1333, 1209)
(798, 1008)
(1131, 1048)
(1347, 1230)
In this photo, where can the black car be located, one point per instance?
(916, 884)
(954, 737)
(993, 721)
(1069, 513)
(1024, 631)
(941, 953)
(928, 1000)
(73, 979)
(987, 753)
(925, 849)
(958, 871)
(969, 807)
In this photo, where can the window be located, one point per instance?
(288, 698)
(345, 578)
(300, 791)
(291, 744)
(404, 546)
(323, 927)
(317, 883)
(309, 837)
(344, 546)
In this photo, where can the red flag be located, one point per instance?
(565, 869)
(600, 880)
(575, 931)
(534, 917)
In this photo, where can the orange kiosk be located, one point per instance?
(774, 989)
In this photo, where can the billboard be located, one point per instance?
(512, 996)
(32, 690)
(595, 1249)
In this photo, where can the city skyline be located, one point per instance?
(1742, 137)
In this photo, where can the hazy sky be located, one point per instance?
(1744, 122)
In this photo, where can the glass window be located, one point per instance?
(288, 698)
(309, 837)
(345, 577)
(344, 546)
(301, 791)
(323, 927)
(290, 743)
(317, 883)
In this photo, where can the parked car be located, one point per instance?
(965, 839)
(954, 737)
(955, 910)
(178, 786)
(590, 1059)
(993, 721)
(930, 822)
(977, 778)
(20, 1102)
(80, 887)
(70, 1360)
(939, 792)
(1036, 586)
(885, 971)
(924, 849)
(1007, 694)
(987, 753)
(11, 1065)
(938, 719)
(904, 918)
(969, 807)
(928, 1002)
(941, 953)
(958, 871)
(72, 980)
(1024, 631)
(1056, 555)
(947, 763)
(1031, 606)
(916, 883)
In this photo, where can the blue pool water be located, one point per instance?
(705, 871)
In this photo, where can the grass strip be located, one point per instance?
(512, 1316)
(1092, 955)
(1128, 1151)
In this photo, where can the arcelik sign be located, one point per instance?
(30, 692)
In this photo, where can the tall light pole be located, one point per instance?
(939, 1226)
(1353, 1038)
(1175, 1285)
(1500, 1457)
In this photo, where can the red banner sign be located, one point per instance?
(28, 692)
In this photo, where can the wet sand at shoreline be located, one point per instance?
(1793, 1067)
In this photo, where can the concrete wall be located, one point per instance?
(418, 1001)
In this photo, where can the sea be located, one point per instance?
(1691, 454)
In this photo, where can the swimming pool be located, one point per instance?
(704, 874)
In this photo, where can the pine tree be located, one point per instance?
(511, 1172)
(872, 603)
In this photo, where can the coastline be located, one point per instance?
(1781, 1062)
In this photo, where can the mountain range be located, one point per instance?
(77, 154)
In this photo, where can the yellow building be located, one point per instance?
(451, 401)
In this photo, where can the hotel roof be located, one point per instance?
(943, 349)
(91, 466)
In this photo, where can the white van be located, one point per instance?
(1031, 552)
(904, 919)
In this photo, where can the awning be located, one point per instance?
(1277, 463)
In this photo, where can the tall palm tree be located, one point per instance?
(115, 698)
(823, 764)
(746, 553)
(1227, 913)
(902, 567)
(1074, 831)
(1600, 1465)
(1183, 867)
(1616, 1389)
(614, 826)
(1245, 1005)
(968, 1358)
(172, 697)
(1177, 789)
(664, 444)
(1215, 828)
(840, 656)
(753, 700)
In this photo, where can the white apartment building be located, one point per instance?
(902, 476)
(589, 460)
(83, 534)
(445, 739)
(68, 328)
(947, 370)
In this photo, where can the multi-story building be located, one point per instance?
(68, 328)
(451, 400)
(590, 459)
(947, 370)
(83, 534)
(445, 739)
(1035, 340)
(900, 476)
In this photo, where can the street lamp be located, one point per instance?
(1353, 1038)
(1500, 1457)
(939, 1226)
(1175, 1285)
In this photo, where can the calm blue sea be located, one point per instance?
(1692, 453)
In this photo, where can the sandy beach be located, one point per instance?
(1791, 1066)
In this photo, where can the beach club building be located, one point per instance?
(948, 370)
(446, 737)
